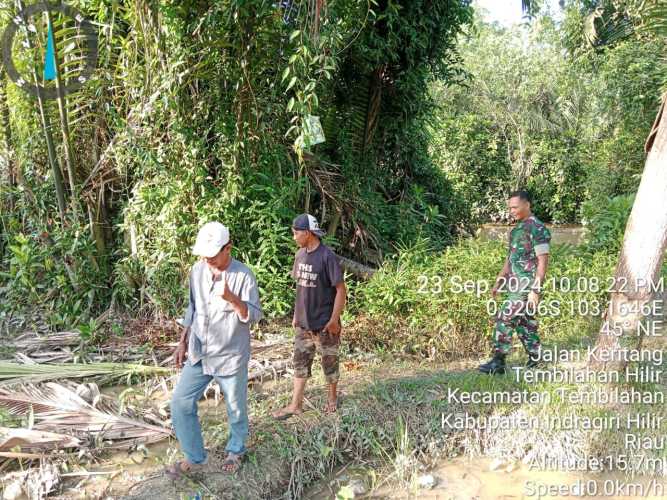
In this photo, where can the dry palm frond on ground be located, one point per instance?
(56, 408)
(33, 440)
(33, 373)
(33, 341)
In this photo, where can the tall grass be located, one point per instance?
(418, 303)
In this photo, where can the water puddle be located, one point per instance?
(466, 479)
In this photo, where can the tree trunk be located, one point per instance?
(356, 268)
(97, 221)
(100, 200)
(637, 274)
(64, 125)
(9, 153)
(7, 133)
(333, 225)
(373, 106)
(46, 126)
(6, 129)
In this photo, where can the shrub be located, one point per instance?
(606, 223)
(417, 303)
(57, 274)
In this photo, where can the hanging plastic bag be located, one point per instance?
(312, 131)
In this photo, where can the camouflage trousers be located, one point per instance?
(306, 343)
(512, 317)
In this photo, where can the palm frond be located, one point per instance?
(531, 7)
(55, 408)
(607, 25)
(358, 105)
(32, 341)
(34, 440)
(615, 20)
(14, 372)
(651, 15)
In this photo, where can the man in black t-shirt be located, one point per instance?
(320, 299)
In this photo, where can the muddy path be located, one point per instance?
(482, 478)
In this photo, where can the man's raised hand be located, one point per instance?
(227, 293)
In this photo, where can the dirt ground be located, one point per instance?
(481, 479)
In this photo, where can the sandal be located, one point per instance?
(284, 414)
(177, 471)
(232, 462)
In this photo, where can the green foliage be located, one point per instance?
(7, 420)
(426, 293)
(57, 273)
(163, 217)
(475, 163)
(378, 107)
(606, 223)
(542, 110)
(196, 113)
(625, 103)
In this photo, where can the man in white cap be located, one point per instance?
(224, 302)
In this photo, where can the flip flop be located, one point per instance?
(176, 470)
(234, 460)
(286, 415)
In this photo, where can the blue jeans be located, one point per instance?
(190, 387)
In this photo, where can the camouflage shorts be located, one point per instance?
(306, 343)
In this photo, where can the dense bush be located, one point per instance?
(605, 223)
(543, 111)
(56, 275)
(198, 112)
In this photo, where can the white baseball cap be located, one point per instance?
(211, 238)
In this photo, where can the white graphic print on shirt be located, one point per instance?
(305, 276)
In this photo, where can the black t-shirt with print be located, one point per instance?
(316, 273)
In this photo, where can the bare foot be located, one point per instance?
(331, 406)
(232, 462)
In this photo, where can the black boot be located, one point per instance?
(494, 367)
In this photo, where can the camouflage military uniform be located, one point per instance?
(526, 238)
(306, 343)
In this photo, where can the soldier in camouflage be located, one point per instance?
(521, 278)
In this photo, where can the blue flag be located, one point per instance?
(50, 60)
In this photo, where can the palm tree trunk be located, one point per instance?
(4, 120)
(98, 217)
(373, 106)
(53, 159)
(644, 244)
(7, 131)
(64, 125)
(46, 127)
